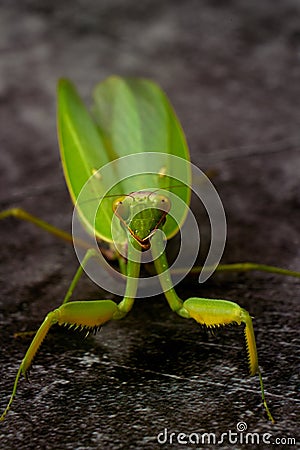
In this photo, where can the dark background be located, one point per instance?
(232, 71)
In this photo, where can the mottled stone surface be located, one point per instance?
(232, 70)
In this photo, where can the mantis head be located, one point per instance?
(142, 213)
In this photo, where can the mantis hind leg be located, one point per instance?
(21, 214)
(211, 313)
(250, 266)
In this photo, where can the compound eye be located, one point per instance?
(164, 204)
(121, 208)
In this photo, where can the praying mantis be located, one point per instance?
(127, 167)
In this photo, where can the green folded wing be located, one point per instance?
(130, 116)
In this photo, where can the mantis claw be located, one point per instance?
(217, 313)
(85, 315)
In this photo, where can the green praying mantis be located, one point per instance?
(128, 171)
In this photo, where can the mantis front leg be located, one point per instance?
(211, 313)
(86, 315)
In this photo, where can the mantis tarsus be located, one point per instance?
(130, 116)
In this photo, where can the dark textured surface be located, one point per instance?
(232, 70)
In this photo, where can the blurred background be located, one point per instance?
(231, 70)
